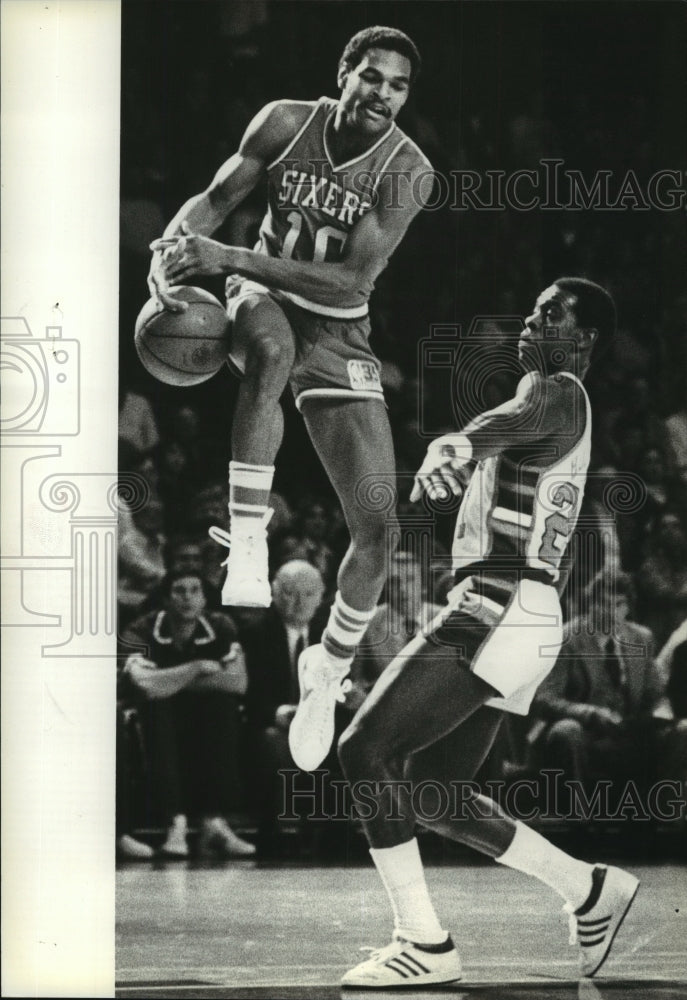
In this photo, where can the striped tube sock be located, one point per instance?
(400, 869)
(344, 630)
(249, 495)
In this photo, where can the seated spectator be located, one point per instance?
(639, 427)
(137, 423)
(184, 554)
(306, 537)
(672, 666)
(187, 683)
(662, 577)
(676, 434)
(184, 427)
(203, 460)
(144, 465)
(286, 545)
(140, 560)
(597, 712)
(208, 507)
(311, 519)
(272, 646)
(177, 484)
(652, 469)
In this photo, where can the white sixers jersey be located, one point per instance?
(521, 506)
(313, 203)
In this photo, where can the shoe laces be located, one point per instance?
(324, 679)
(323, 688)
(223, 537)
(382, 955)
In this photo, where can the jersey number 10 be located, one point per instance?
(326, 238)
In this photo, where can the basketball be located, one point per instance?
(183, 348)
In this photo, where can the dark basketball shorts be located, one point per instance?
(509, 634)
(333, 356)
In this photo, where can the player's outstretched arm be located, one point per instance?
(266, 136)
(348, 281)
(541, 407)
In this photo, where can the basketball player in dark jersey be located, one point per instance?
(435, 711)
(344, 183)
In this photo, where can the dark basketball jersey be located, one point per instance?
(314, 203)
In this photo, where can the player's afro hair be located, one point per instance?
(379, 37)
(594, 309)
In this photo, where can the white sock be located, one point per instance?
(249, 494)
(400, 869)
(531, 853)
(345, 628)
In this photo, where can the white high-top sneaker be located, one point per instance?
(312, 728)
(247, 581)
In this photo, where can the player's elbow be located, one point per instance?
(218, 201)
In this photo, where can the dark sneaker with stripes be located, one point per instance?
(403, 963)
(594, 925)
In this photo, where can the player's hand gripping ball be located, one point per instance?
(183, 348)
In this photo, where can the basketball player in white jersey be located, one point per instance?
(344, 183)
(435, 711)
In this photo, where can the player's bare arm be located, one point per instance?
(541, 407)
(348, 281)
(266, 136)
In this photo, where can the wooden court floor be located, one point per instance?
(244, 929)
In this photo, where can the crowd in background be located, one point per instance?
(481, 105)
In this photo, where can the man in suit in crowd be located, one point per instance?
(597, 713)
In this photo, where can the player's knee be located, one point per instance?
(269, 352)
(375, 530)
(568, 732)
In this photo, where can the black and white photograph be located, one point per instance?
(344, 440)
